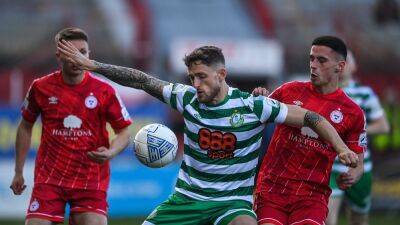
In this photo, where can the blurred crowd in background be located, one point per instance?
(266, 42)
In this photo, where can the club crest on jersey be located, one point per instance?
(236, 119)
(91, 101)
(53, 100)
(336, 116)
(34, 206)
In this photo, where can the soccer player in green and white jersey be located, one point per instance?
(223, 129)
(357, 197)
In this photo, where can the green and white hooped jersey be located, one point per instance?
(221, 142)
(368, 101)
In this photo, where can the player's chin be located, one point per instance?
(75, 71)
(203, 98)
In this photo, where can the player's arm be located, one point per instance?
(22, 143)
(119, 143)
(122, 75)
(297, 116)
(378, 126)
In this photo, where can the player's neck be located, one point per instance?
(221, 95)
(72, 80)
(327, 89)
(345, 82)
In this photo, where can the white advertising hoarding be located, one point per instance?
(256, 57)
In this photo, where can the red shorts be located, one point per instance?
(290, 210)
(49, 201)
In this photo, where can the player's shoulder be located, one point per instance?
(237, 93)
(46, 79)
(295, 85)
(178, 87)
(350, 105)
(99, 82)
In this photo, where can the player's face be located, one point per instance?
(68, 68)
(324, 66)
(207, 81)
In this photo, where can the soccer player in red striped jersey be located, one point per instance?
(293, 182)
(72, 163)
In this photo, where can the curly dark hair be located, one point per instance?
(207, 55)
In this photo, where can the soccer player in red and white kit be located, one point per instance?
(293, 182)
(72, 163)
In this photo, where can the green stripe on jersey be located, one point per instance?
(239, 115)
(211, 192)
(209, 177)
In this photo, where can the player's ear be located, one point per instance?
(340, 66)
(222, 73)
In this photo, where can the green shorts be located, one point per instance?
(358, 197)
(179, 209)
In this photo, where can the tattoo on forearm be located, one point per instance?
(132, 78)
(312, 119)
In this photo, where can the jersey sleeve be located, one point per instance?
(178, 95)
(116, 113)
(30, 109)
(373, 108)
(356, 138)
(268, 110)
(279, 92)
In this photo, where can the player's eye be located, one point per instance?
(321, 59)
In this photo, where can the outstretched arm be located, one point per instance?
(131, 78)
(122, 75)
(298, 117)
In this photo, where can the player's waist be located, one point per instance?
(292, 186)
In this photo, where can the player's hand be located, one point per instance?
(260, 91)
(101, 155)
(348, 158)
(18, 184)
(346, 180)
(73, 55)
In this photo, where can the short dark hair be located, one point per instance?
(207, 55)
(335, 43)
(71, 33)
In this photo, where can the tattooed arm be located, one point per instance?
(131, 78)
(300, 117)
(122, 75)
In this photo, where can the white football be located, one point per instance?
(155, 145)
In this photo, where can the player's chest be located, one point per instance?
(331, 109)
(63, 102)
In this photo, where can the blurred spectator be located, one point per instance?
(386, 12)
